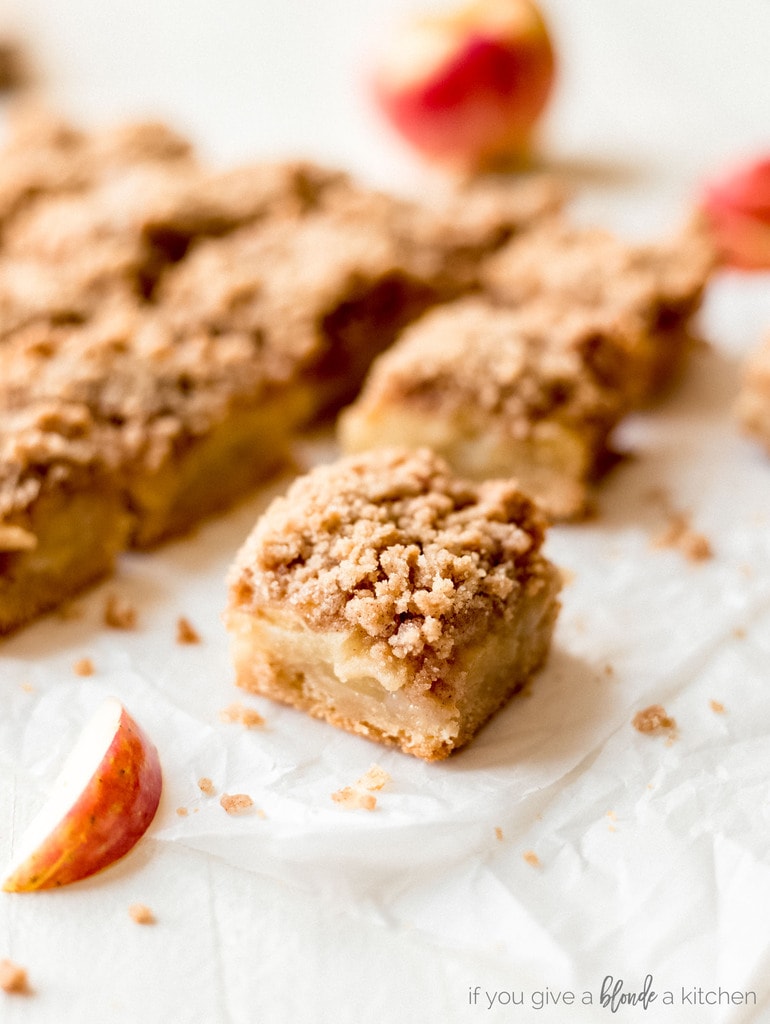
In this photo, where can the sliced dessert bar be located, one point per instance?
(191, 422)
(394, 600)
(62, 518)
(528, 394)
(327, 292)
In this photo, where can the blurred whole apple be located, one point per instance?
(467, 87)
(737, 210)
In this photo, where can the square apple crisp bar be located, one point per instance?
(498, 392)
(392, 599)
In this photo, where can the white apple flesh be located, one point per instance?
(100, 805)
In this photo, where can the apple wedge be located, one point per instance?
(101, 803)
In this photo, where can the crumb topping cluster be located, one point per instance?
(392, 544)
(591, 267)
(473, 358)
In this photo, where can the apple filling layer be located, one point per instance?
(393, 600)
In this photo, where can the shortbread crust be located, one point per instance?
(392, 599)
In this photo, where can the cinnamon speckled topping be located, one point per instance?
(390, 544)
(592, 267)
(470, 356)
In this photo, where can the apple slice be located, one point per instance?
(101, 803)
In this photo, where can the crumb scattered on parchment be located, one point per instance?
(28, 687)
(236, 803)
(241, 714)
(612, 815)
(83, 667)
(359, 796)
(653, 719)
(185, 633)
(13, 978)
(567, 577)
(498, 834)
(353, 799)
(679, 534)
(119, 613)
(739, 633)
(182, 812)
(205, 785)
(609, 671)
(531, 858)
(717, 707)
(141, 914)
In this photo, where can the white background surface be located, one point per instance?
(316, 914)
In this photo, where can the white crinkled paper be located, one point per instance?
(654, 854)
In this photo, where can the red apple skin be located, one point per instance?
(737, 210)
(110, 816)
(482, 102)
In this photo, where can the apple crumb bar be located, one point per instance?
(390, 598)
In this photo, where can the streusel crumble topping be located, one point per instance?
(396, 546)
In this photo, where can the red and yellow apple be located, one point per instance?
(467, 87)
(100, 805)
(737, 211)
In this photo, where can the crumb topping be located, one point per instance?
(359, 796)
(590, 267)
(206, 786)
(717, 707)
(83, 667)
(392, 544)
(472, 358)
(653, 719)
(532, 858)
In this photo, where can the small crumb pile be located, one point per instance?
(239, 713)
(236, 803)
(653, 719)
(141, 914)
(13, 978)
(185, 633)
(532, 858)
(119, 613)
(205, 785)
(360, 796)
(678, 534)
(83, 667)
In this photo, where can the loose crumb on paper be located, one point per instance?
(498, 834)
(532, 858)
(239, 713)
(119, 613)
(141, 914)
(182, 812)
(185, 632)
(653, 719)
(717, 707)
(83, 667)
(739, 633)
(13, 978)
(353, 799)
(678, 534)
(359, 796)
(205, 785)
(236, 803)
